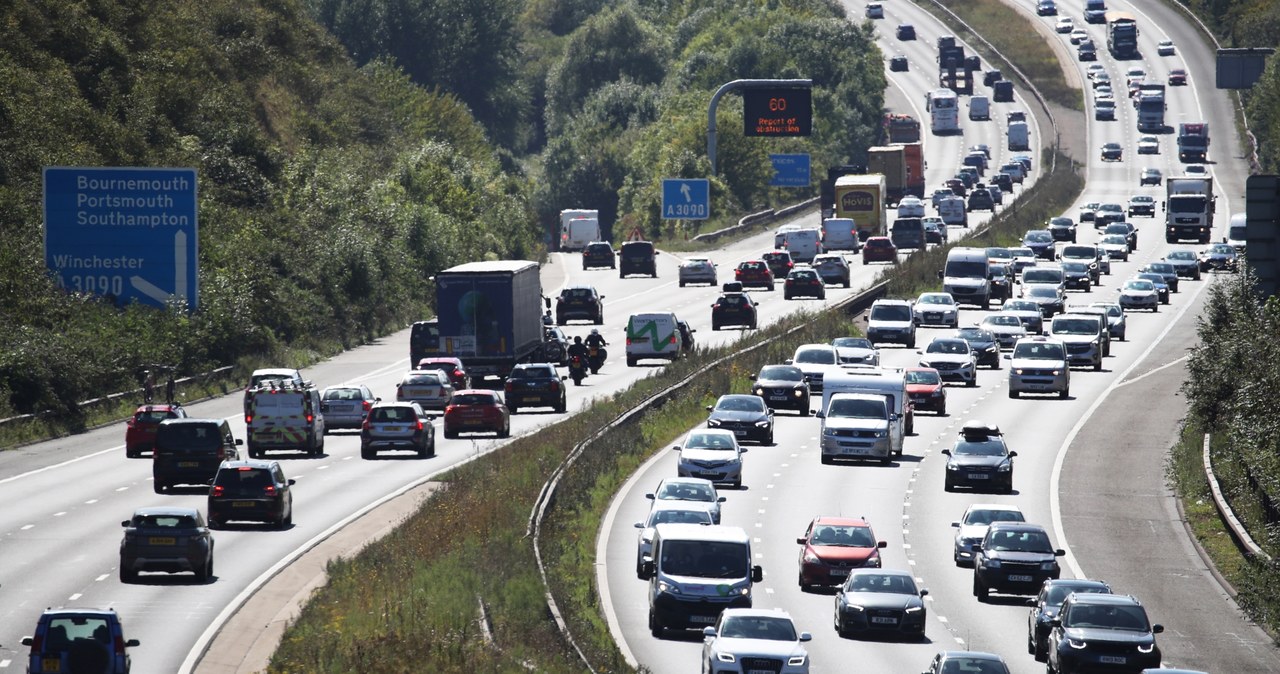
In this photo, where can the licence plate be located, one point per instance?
(880, 620)
(472, 422)
(242, 504)
(1112, 659)
(51, 664)
(839, 572)
(979, 476)
(759, 671)
(853, 450)
(739, 432)
(780, 396)
(188, 464)
(162, 540)
(933, 317)
(702, 619)
(1020, 578)
(392, 429)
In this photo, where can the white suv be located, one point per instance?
(892, 321)
(1083, 336)
(1039, 365)
(744, 636)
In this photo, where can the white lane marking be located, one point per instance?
(1055, 478)
(60, 514)
(5, 663)
(101, 578)
(25, 527)
(1148, 374)
(122, 489)
(91, 501)
(321, 467)
(74, 597)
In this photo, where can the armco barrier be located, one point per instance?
(749, 221)
(853, 304)
(1234, 525)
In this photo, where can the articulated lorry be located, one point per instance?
(1151, 107)
(1188, 207)
(490, 315)
(862, 198)
(1122, 34)
(1193, 142)
(891, 162)
(900, 128)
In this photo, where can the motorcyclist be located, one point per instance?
(577, 348)
(595, 339)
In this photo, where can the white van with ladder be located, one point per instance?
(282, 414)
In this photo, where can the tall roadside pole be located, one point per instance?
(770, 108)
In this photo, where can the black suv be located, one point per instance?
(1014, 558)
(1096, 632)
(638, 257)
(580, 303)
(172, 540)
(1048, 604)
(1063, 229)
(79, 640)
(599, 254)
(733, 309)
(424, 340)
(189, 451)
(534, 385)
(782, 387)
(252, 490)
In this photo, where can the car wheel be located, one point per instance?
(130, 454)
(1064, 393)
(203, 571)
(560, 408)
(947, 486)
(972, 382)
(127, 575)
(367, 453)
(1013, 394)
(826, 460)
(804, 587)
(449, 435)
(288, 519)
(631, 362)
(682, 283)
(161, 487)
(979, 590)
(1097, 367)
(514, 409)
(655, 627)
(505, 432)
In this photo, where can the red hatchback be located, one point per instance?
(451, 367)
(754, 274)
(831, 546)
(140, 431)
(926, 390)
(1177, 77)
(879, 249)
(476, 411)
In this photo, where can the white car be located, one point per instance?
(688, 491)
(1078, 35)
(698, 270)
(711, 454)
(745, 635)
(429, 388)
(1116, 246)
(664, 512)
(1134, 74)
(1094, 70)
(856, 351)
(972, 527)
(953, 358)
(936, 309)
(1039, 365)
(910, 207)
(1139, 294)
(1165, 48)
(1006, 327)
(1064, 25)
(1195, 170)
(1148, 145)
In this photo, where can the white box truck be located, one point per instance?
(1188, 208)
(578, 227)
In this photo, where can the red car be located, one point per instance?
(957, 187)
(926, 391)
(476, 411)
(451, 367)
(831, 546)
(140, 431)
(879, 249)
(754, 274)
(1177, 77)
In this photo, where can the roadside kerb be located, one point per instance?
(1234, 525)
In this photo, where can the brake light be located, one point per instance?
(270, 490)
(248, 419)
(673, 339)
(119, 643)
(628, 341)
(366, 425)
(508, 386)
(419, 424)
(555, 386)
(217, 490)
(458, 373)
(244, 469)
(366, 405)
(310, 418)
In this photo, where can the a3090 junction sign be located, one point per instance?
(129, 234)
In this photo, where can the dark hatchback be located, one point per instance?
(580, 303)
(803, 283)
(173, 540)
(1103, 633)
(979, 459)
(599, 255)
(1077, 276)
(1046, 608)
(189, 451)
(638, 257)
(1062, 229)
(736, 309)
(1014, 558)
(780, 262)
(754, 274)
(535, 385)
(747, 416)
(252, 490)
(1040, 241)
(782, 387)
(984, 344)
(875, 601)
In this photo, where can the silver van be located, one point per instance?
(695, 572)
(967, 276)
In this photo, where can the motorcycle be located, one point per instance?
(577, 369)
(595, 358)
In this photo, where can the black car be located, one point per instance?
(1062, 229)
(746, 415)
(736, 309)
(1218, 257)
(779, 262)
(580, 303)
(880, 602)
(1102, 632)
(598, 255)
(1108, 213)
(1001, 283)
(1185, 262)
(976, 662)
(979, 459)
(638, 257)
(251, 490)
(686, 335)
(1112, 152)
(980, 199)
(906, 31)
(899, 64)
(984, 344)
(555, 346)
(1041, 242)
(1014, 558)
(1004, 181)
(534, 385)
(804, 283)
(189, 451)
(168, 539)
(1046, 608)
(782, 387)
(1168, 271)
(1077, 276)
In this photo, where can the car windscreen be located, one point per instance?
(852, 343)
(1079, 253)
(842, 536)
(188, 437)
(1038, 350)
(1043, 291)
(709, 441)
(758, 627)
(705, 559)
(1034, 275)
(781, 373)
(936, 298)
(922, 377)
(1058, 593)
(740, 404)
(880, 582)
(857, 409)
(947, 346)
(966, 269)
(1131, 618)
(1019, 541)
(686, 491)
(985, 516)
(817, 356)
(153, 416)
(890, 312)
(403, 414)
(979, 448)
(665, 516)
(1005, 321)
(1038, 236)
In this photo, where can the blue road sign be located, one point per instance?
(686, 199)
(790, 170)
(122, 232)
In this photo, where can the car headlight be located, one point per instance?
(797, 393)
(726, 657)
(763, 424)
(1056, 373)
(1078, 644)
(915, 609)
(829, 432)
(938, 393)
(1005, 467)
(951, 466)
(992, 564)
(1048, 566)
(1146, 648)
(758, 391)
(811, 558)
(854, 607)
(882, 434)
(796, 660)
(1018, 371)
(664, 586)
(713, 422)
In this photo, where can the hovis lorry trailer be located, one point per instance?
(490, 315)
(862, 198)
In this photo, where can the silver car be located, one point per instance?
(1116, 321)
(346, 405)
(664, 512)
(698, 270)
(1039, 365)
(429, 388)
(1007, 328)
(689, 491)
(972, 527)
(398, 426)
(711, 454)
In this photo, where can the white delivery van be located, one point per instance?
(803, 244)
(652, 335)
(857, 426)
(281, 414)
(1237, 232)
(1019, 138)
(952, 211)
(780, 234)
(578, 227)
(891, 382)
(696, 572)
(840, 234)
(967, 276)
(979, 108)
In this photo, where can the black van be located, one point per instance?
(189, 451)
(424, 341)
(638, 257)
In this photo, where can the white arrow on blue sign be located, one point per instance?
(123, 232)
(686, 199)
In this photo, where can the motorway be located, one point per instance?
(1090, 468)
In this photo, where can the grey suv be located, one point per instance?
(172, 540)
(1095, 632)
(1014, 558)
(253, 490)
(397, 426)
